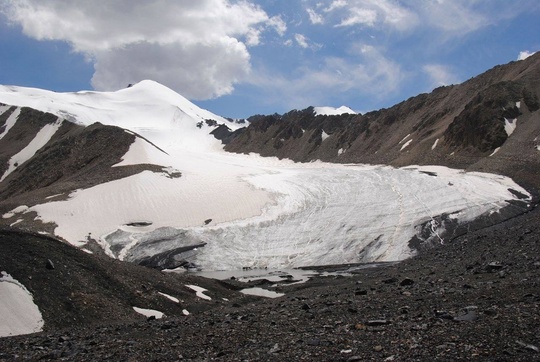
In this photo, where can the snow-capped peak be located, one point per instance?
(331, 111)
(145, 108)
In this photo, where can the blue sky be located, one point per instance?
(239, 58)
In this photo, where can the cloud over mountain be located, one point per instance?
(184, 44)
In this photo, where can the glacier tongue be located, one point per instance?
(332, 214)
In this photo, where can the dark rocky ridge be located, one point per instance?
(468, 120)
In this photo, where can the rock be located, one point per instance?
(377, 348)
(377, 322)
(275, 349)
(493, 266)
(528, 346)
(49, 265)
(406, 282)
(306, 306)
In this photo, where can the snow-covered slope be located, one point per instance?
(250, 211)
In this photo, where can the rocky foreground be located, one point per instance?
(474, 298)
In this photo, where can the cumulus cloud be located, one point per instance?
(525, 54)
(200, 48)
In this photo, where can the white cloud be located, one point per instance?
(525, 54)
(372, 13)
(440, 74)
(370, 75)
(358, 16)
(314, 17)
(301, 40)
(278, 24)
(197, 47)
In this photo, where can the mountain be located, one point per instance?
(143, 175)
(140, 175)
(489, 123)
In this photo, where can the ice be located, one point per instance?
(149, 312)
(19, 314)
(40, 140)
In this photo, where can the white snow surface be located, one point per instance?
(263, 212)
(170, 297)
(331, 111)
(406, 144)
(510, 125)
(199, 291)
(149, 312)
(435, 144)
(18, 312)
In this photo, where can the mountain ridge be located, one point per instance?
(467, 120)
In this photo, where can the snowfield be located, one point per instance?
(20, 315)
(249, 211)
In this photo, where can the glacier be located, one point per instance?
(231, 211)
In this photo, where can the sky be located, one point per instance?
(238, 58)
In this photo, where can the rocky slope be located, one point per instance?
(471, 126)
(475, 298)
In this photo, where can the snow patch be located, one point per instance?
(199, 292)
(185, 312)
(324, 135)
(149, 312)
(260, 292)
(20, 315)
(510, 126)
(518, 104)
(170, 297)
(340, 151)
(495, 151)
(406, 144)
(16, 222)
(17, 210)
(435, 144)
(404, 138)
